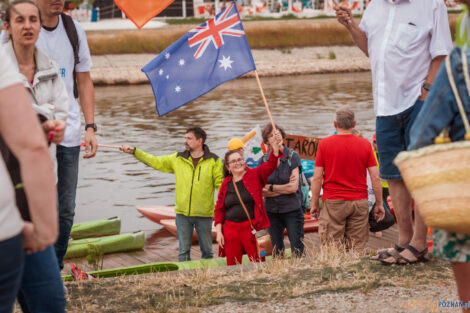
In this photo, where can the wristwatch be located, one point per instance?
(427, 86)
(93, 125)
(271, 188)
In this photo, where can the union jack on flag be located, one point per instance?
(215, 29)
(192, 66)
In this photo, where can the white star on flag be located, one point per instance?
(181, 62)
(225, 62)
(178, 89)
(167, 55)
(160, 72)
(167, 76)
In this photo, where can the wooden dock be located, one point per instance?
(161, 246)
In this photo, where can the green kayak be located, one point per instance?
(99, 228)
(165, 267)
(109, 244)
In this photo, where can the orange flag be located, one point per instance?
(142, 11)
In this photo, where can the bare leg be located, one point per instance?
(462, 278)
(401, 200)
(419, 237)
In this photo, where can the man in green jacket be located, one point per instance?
(461, 26)
(198, 173)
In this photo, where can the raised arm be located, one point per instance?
(164, 163)
(359, 37)
(267, 168)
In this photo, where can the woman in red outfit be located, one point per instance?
(234, 232)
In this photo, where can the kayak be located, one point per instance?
(157, 213)
(107, 227)
(170, 225)
(164, 215)
(165, 267)
(109, 244)
(310, 226)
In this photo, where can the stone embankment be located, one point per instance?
(126, 68)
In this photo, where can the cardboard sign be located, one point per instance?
(305, 146)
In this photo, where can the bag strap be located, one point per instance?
(243, 204)
(454, 88)
(72, 34)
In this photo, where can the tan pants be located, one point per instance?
(344, 222)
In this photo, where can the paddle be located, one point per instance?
(103, 146)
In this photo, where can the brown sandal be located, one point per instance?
(401, 260)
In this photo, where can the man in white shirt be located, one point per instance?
(406, 41)
(54, 41)
(20, 129)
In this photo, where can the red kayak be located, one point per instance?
(157, 213)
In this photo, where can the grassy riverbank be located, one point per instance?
(261, 34)
(323, 273)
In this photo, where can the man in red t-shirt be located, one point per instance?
(342, 163)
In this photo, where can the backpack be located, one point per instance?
(72, 34)
(304, 186)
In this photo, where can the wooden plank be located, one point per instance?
(170, 253)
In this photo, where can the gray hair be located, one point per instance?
(345, 117)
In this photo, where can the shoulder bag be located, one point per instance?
(263, 240)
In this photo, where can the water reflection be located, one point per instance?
(113, 183)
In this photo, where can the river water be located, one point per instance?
(114, 183)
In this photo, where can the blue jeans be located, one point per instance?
(42, 289)
(11, 270)
(293, 222)
(393, 137)
(67, 172)
(185, 226)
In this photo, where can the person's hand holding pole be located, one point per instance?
(127, 149)
(278, 145)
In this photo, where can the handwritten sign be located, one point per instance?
(305, 146)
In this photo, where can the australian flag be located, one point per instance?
(207, 56)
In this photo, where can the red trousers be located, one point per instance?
(238, 238)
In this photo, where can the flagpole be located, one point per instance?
(264, 100)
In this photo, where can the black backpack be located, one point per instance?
(72, 34)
